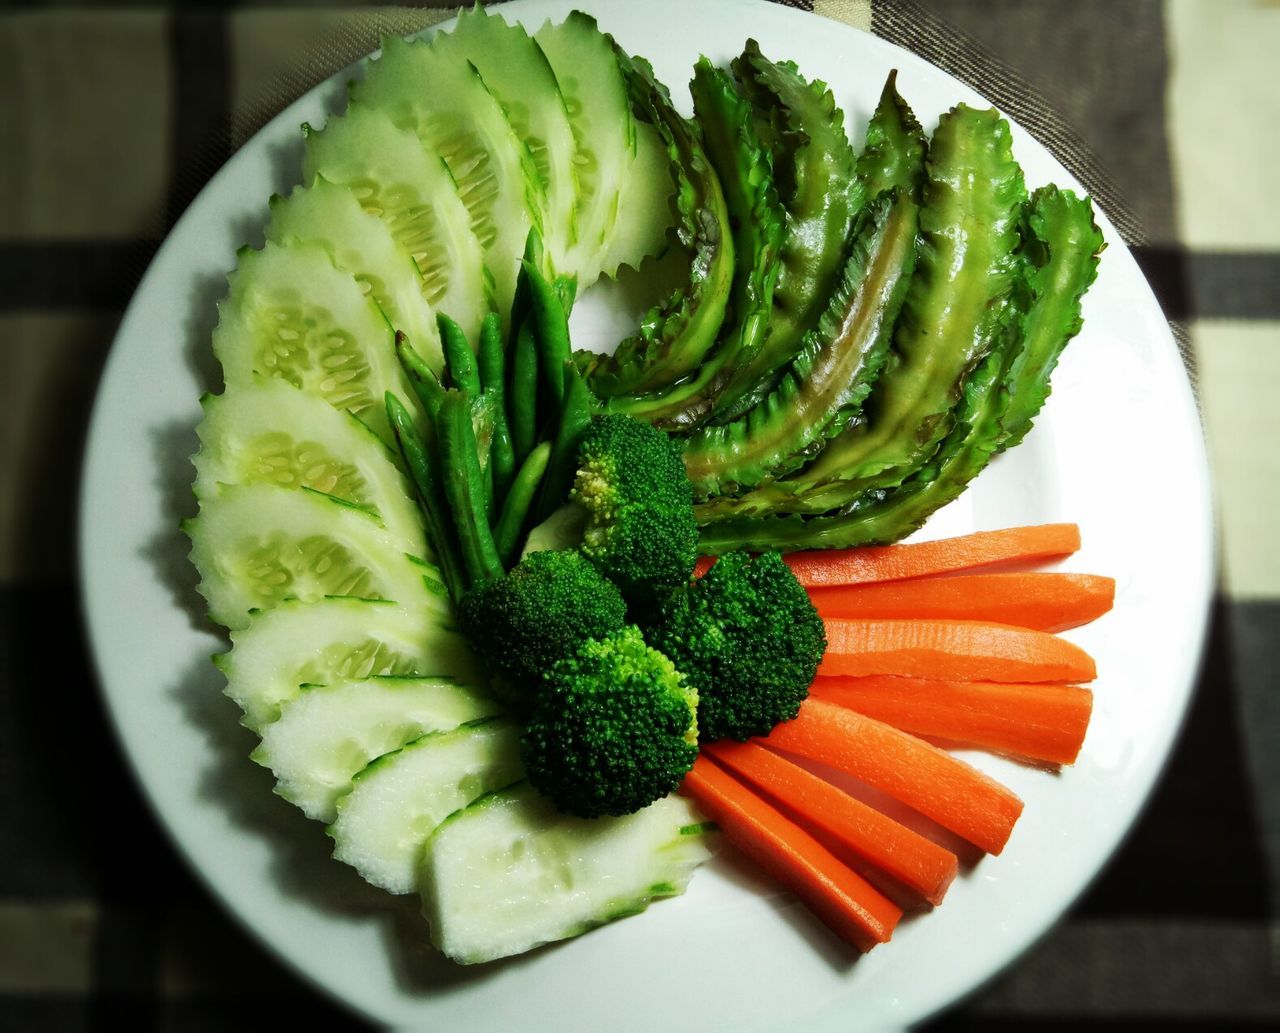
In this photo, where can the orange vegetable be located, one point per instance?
(957, 650)
(850, 905)
(895, 562)
(943, 788)
(1040, 722)
(914, 861)
(704, 564)
(1044, 601)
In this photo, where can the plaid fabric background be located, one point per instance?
(111, 120)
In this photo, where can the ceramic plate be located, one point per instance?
(1118, 449)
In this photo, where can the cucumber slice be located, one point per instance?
(361, 244)
(330, 733)
(335, 640)
(257, 545)
(646, 198)
(517, 73)
(398, 800)
(293, 314)
(510, 872)
(412, 191)
(267, 432)
(422, 87)
(622, 163)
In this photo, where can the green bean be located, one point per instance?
(422, 378)
(551, 329)
(435, 507)
(522, 403)
(464, 488)
(492, 361)
(459, 359)
(507, 532)
(575, 416)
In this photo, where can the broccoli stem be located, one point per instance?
(435, 507)
(507, 532)
(465, 489)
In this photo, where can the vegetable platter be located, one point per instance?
(1117, 450)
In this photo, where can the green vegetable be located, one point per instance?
(613, 730)
(464, 488)
(748, 639)
(459, 359)
(640, 529)
(894, 152)
(519, 502)
(510, 872)
(814, 172)
(742, 165)
(421, 459)
(460, 120)
(551, 333)
(575, 417)
(522, 397)
(539, 613)
(826, 383)
(492, 364)
(363, 245)
(411, 190)
(956, 308)
(676, 336)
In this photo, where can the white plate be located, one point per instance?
(1118, 450)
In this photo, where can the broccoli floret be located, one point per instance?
(614, 728)
(748, 638)
(640, 528)
(539, 612)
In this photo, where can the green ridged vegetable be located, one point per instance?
(815, 176)
(895, 148)
(826, 384)
(1062, 245)
(959, 296)
(743, 167)
(676, 335)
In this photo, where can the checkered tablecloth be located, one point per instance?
(111, 120)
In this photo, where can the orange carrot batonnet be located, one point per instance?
(846, 902)
(951, 649)
(943, 788)
(908, 857)
(1038, 722)
(918, 559)
(1045, 601)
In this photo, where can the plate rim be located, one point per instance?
(97, 431)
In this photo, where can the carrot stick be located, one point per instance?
(895, 562)
(704, 564)
(956, 650)
(1039, 722)
(850, 905)
(1044, 601)
(944, 788)
(914, 861)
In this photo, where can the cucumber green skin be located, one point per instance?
(675, 336)
(1000, 399)
(815, 173)
(743, 167)
(967, 268)
(837, 366)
